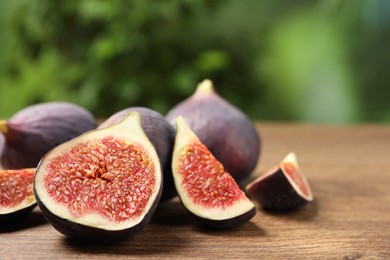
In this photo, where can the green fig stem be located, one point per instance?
(3, 126)
(205, 87)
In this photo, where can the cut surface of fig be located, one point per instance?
(16, 193)
(226, 131)
(205, 188)
(103, 184)
(35, 130)
(284, 187)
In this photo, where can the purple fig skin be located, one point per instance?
(16, 215)
(2, 144)
(161, 134)
(226, 131)
(35, 130)
(274, 191)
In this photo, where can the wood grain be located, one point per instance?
(347, 167)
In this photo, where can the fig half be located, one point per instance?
(103, 185)
(282, 188)
(35, 130)
(161, 134)
(205, 188)
(16, 194)
(226, 131)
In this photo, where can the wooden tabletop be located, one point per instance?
(348, 168)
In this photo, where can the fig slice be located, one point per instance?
(204, 187)
(283, 187)
(16, 194)
(103, 185)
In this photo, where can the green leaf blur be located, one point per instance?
(321, 61)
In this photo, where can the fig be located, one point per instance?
(16, 196)
(204, 187)
(161, 134)
(283, 187)
(35, 130)
(101, 186)
(226, 131)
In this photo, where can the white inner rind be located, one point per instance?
(28, 201)
(184, 136)
(292, 158)
(130, 130)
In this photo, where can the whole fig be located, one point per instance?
(37, 129)
(161, 134)
(226, 131)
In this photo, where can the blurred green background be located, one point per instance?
(313, 61)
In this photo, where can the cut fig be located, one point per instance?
(161, 134)
(226, 131)
(16, 196)
(205, 188)
(103, 185)
(282, 188)
(35, 130)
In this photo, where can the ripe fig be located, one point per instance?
(35, 130)
(16, 196)
(226, 131)
(205, 188)
(161, 134)
(282, 188)
(103, 185)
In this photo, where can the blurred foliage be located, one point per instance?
(316, 61)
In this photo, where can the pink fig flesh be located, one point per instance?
(282, 188)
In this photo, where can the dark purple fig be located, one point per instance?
(103, 185)
(161, 134)
(227, 132)
(205, 188)
(282, 188)
(16, 196)
(35, 130)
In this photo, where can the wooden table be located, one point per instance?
(348, 168)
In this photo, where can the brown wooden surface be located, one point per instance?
(348, 168)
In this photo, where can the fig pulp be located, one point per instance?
(206, 190)
(35, 130)
(282, 188)
(16, 194)
(103, 185)
(226, 131)
(161, 134)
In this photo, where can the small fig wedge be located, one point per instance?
(161, 134)
(16, 194)
(205, 189)
(226, 131)
(103, 185)
(35, 130)
(282, 188)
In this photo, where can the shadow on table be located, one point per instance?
(306, 213)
